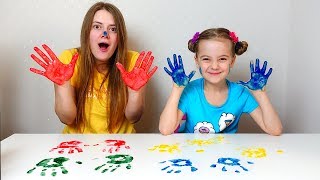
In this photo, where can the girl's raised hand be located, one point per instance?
(258, 77)
(139, 75)
(55, 70)
(177, 73)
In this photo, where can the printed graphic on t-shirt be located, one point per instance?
(204, 128)
(225, 120)
(97, 94)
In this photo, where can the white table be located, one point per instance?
(290, 156)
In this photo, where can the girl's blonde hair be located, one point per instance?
(238, 48)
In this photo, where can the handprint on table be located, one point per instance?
(177, 165)
(177, 73)
(68, 145)
(51, 163)
(170, 148)
(55, 70)
(115, 161)
(232, 163)
(115, 145)
(258, 77)
(139, 75)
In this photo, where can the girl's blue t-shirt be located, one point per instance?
(202, 117)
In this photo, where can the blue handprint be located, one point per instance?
(177, 71)
(231, 162)
(180, 163)
(258, 78)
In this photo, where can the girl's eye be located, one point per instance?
(223, 59)
(205, 59)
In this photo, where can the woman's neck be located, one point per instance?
(101, 67)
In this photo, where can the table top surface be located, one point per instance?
(145, 156)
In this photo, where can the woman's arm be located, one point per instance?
(136, 81)
(60, 74)
(265, 115)
(171, 116)
(135, 105)
(65, 103)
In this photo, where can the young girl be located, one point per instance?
(213, 104)
(101, 96)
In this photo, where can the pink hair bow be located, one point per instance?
(233, 37)
(195, 37)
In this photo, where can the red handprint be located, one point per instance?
(55, 70)
(71, 145)
(116, 145)
(139, 76)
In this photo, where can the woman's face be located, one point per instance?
(103, 44)
(215, 59)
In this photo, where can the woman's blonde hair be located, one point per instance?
(116, 95)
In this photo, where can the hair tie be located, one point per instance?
(233, 37)
(195, 37)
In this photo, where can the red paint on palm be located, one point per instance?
(139, 76)
(55, 70)
(68, 145)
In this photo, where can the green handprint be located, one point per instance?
(115, 161)
(51, 163)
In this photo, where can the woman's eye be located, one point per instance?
(223, 59)
(96, 27)
(113, 29)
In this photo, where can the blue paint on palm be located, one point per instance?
(258, 77)
(177, 71)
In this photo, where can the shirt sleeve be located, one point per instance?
(132, 56)
(66, 57)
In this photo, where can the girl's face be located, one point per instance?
(214, 58)
(103, 45)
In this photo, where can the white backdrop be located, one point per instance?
(282, 32)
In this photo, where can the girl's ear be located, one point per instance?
(233, 60)
(195, 60)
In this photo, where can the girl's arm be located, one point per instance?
(135, 105)
(171, 116)
(265, 115)
(65, 103)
